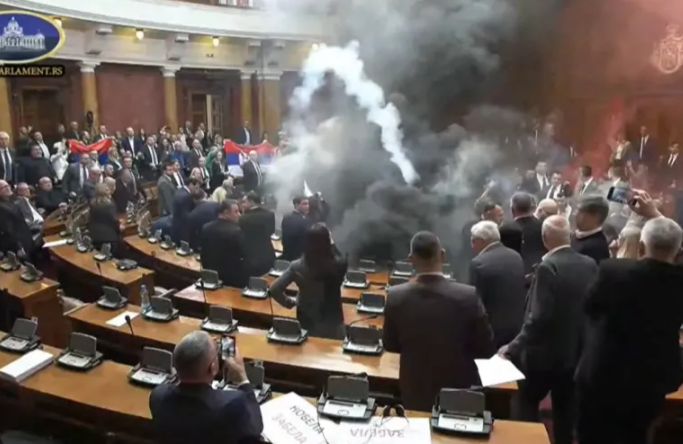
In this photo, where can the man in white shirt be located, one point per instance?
(558, 188)
(130, 143)
(245, 138)
(644, 147)
(38, 137)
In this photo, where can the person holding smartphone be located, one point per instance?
(192, 411)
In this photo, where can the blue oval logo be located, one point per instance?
(27, 37)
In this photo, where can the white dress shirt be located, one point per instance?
(178, 180)
(643, 142)
(7, 163)
(247, 136)
(542, 181)
(672, 159)
(37, 218)
(58, 159)
(44, 149)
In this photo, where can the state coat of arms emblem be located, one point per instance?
(667, 56)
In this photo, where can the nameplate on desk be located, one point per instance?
(461, 423)
(26, 366)
(344, 409)
(120, 320)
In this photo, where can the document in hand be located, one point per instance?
(26, 366)
(497, 370)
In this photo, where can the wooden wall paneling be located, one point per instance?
(130, 96)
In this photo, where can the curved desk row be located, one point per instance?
(102, 399)
(253, 312)
(302, 368)
(81, 271)
(188, 267)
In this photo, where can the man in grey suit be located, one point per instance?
(548, 347)
(166, 190)
(75, 176)
(587, 184)
(497, 273)
(437, 325)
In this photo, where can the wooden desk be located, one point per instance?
(83, 267)
(302, 368)
(54, 226)
(103, 399)
(34, 299)
(251, 312)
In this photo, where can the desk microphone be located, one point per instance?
(207, 307)
(367, 318)
(130, 324)
(99, 269)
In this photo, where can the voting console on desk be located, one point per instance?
(461, 412)
(347, 397)
(396, 280)
(85, 245)
(156, 238)
(208, 280)
(363, 340)
(161, 310)
(367, 266)
(81, 354)
(167, 243)
(287, 331)
(371, 303)
(155, 368)
(22, 338)
(257, 288)
(356, 279)
(30, 273)
(256, 376)
(402, 269)
(111, 299)
(184, 250)
(104, 254)
(219, 320)
(279, 268)
(126, 264)
(11, 263)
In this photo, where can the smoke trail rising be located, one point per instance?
(346, 64)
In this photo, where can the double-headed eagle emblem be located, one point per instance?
(667, 56)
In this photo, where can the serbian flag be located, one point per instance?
(102, 147)
(235, 155)
(266, 153)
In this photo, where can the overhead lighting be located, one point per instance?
(215, 40)
(139, 34)
(58, 21)
(315, 46)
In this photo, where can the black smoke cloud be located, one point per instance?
(434, 56)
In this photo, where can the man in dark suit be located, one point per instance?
(204, 212)
(102, 134)
(34, 167)
(537, 184)
(258, 225)
(126, 190)
(45, 151)
(548, 346)
(149, 160)
(73, 132)
(432, 314)
(244, 136)
(130, 143)
(589, 239)
(75, 176)
(166, 190)
(49, 199)
(294, 227)
(95, 177)
(22, 199)
(224, 247)
(524, 233)
(182, 205)
(253, 175)
(15, 234)
(191, 411)
(559, 189)
(634, 313)
(671, 167)
(497, 273)
(645, 148)
(194, 155)
(8, 164)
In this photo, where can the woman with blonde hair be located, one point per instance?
(103, 225)
(628, 243)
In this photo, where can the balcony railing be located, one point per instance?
(248, 4)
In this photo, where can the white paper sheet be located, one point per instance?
(26, 366)
(497, 371)
(120, 320)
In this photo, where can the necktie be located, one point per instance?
(7, 165)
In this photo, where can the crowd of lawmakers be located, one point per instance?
(581, 293)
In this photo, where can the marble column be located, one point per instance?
(170, 97)
(245, 99)
(89, 85)
(5, 109)
(269, 104)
